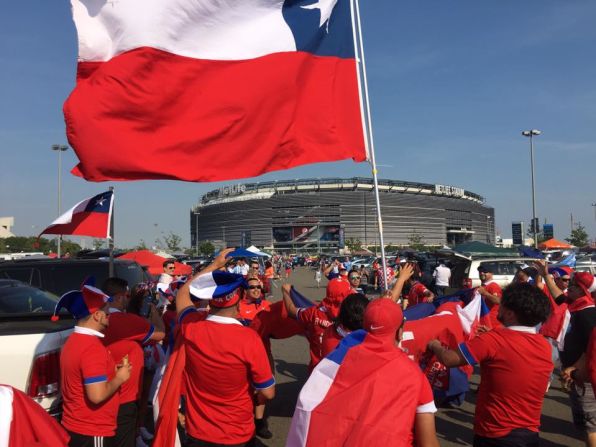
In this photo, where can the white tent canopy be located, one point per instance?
(257, 252)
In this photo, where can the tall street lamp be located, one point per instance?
(59, 148)
(531, 134)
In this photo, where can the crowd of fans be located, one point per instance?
(116, 361)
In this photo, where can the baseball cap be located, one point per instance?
(383, 317)
(485, 269)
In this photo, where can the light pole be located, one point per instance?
(531, 134)
(59, 148)
(196, 233)
(488, 238)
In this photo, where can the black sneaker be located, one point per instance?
(262, 429)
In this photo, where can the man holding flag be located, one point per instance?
(515, 367)
(226, 363)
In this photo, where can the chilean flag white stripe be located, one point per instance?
(215, 284)
(311, 395)
(234, 31)
(470, 314)
(6, 396)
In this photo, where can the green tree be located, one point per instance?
(416, 241)
(98, 244)
(353, 244)
(206, 248)
(141, 245)
(69, 247)
(390, 248)
(170, 241)
(578, 236)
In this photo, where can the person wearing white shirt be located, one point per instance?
(442, 274)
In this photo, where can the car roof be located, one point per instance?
(44, 261)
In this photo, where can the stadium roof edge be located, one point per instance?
(248, 191)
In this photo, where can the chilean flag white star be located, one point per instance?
(326, 9)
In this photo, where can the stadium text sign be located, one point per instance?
(449, 190)
(231, 190)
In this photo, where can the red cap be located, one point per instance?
(229, 300)
(337, 290)
(383, 317)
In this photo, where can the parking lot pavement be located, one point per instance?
(454, 426)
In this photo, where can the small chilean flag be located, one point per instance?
(205, 90)
(91, 217)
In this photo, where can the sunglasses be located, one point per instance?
(354, 277)
(254, 287)
(171, 268)
(565, 279)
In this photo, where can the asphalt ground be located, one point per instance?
(454, 426)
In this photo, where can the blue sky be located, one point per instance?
(452, 85)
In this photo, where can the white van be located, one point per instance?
(465, 272)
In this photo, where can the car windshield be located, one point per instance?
(20, 299)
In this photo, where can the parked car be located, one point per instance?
(59, 276)
(464, 271)
(30, 343)
(586, 267)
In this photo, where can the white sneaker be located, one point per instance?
(140, 442)
(146, 434)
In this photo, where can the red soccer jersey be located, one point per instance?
(84, 361)
(124, 336)
(417, 293)
(314, 320)
(250, 309)
(515, 367)
(494, 289)
(131, 389)
(225, 361)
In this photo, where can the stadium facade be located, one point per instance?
(321, 214)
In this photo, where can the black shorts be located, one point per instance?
(126, 431)
(520, 437)
(78, 440)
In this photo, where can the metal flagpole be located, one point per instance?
(111, 235)
(367, 124)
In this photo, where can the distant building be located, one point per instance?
(321, 214)
(6, 224)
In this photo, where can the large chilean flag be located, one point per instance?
(207, 90)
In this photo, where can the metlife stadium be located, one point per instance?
(317, 215)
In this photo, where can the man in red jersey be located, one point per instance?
(252, 301)
(89, 376)
(491, 292)
(515, 367)
(317, 318)
(124, 337)
(226, 367)
(418, 292)
(251, 304)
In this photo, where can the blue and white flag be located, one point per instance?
(216, 284)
